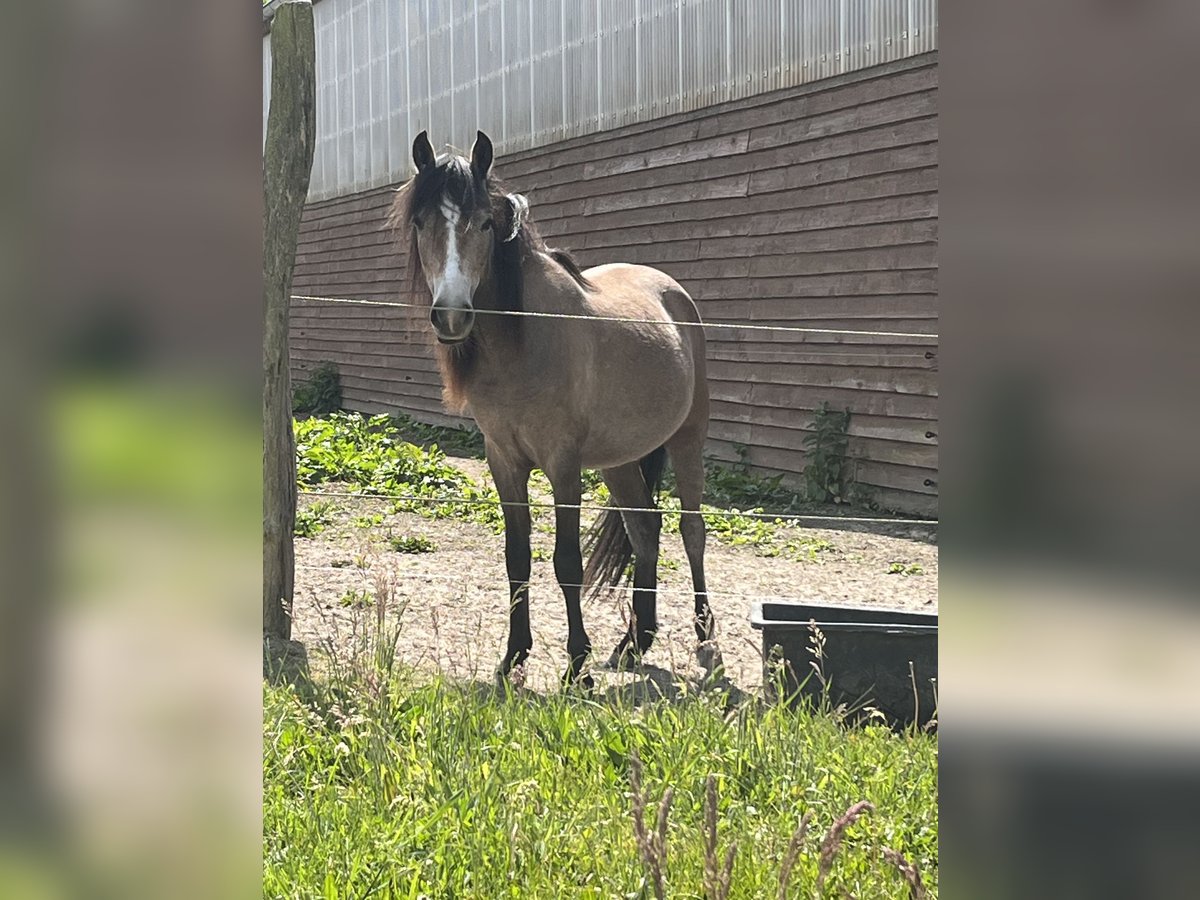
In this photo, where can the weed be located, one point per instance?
(825, 472)
(766, 537)
(370, 455)
(312, 519)
(457, 439)
(411, 543)
(341, 563)
(356, 599)
(899, 568)
(320, 394)
(368, 521)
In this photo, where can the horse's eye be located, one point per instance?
(486, 225)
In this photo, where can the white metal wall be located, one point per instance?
(533, 72)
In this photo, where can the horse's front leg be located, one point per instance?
(568, 566)
(512, 484)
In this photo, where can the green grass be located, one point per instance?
(448, 790)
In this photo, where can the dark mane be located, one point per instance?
(421, 196)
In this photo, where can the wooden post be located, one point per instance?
(287, 165)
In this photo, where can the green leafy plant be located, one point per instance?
(320, 394)
(825, 472)
(368, 521)
(458, 439)
(353, 599)
(312, 519)
(370, 455)
(411, 543)
(899, 568)
(735, 486)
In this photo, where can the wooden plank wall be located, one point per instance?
(813, 206)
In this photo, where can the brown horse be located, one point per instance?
(562, 394)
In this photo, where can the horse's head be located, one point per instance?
(462, 228)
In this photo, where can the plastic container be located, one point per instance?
(866, 656)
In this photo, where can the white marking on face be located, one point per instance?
(452, 278)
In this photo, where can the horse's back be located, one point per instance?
(627, 288)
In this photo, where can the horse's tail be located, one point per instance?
(607, 543)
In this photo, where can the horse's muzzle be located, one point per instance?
(451, 321)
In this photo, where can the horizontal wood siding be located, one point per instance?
(814, 207)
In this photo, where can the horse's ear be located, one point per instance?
(518, 211)
(423, 154)
(481, 156)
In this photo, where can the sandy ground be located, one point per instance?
(452, 603)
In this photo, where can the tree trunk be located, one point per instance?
(287, 164)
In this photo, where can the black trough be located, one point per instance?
(866, 656)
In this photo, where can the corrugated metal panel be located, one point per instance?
(619, 82)
(518, 74)
(658, 58)
(533, 72)
(704, 72)
(581, 42)
(546, 41)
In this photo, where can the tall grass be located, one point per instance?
(377, 783)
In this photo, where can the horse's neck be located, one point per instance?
(547, 288)
(513, 347)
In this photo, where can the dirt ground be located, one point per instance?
(452, 603)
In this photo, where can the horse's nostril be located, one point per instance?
(451, 321)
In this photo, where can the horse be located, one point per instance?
(563, 369)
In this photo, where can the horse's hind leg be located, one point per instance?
(629, 489)
(686, 458)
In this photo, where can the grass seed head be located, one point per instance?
(910, 872)
(833, 839)
(793, 853)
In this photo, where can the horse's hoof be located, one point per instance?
(708, 655)
(511, 676)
